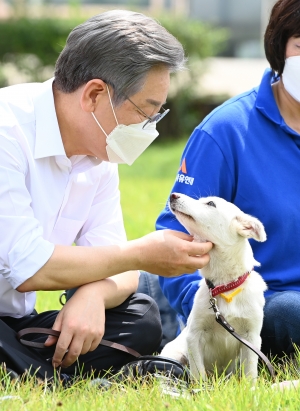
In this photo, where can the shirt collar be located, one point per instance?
(48, 138)
(266, 103)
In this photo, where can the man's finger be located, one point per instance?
(77, 347)
(62, 347)
(180, 234)
(51, 340)
(197, 262)
(200, 249)
(96, 342)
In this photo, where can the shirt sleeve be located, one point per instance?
(23, 250)
(203, 172)
(104, 225)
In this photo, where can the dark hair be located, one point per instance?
(284, 23)
(120, 47)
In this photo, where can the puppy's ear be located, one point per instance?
(249, 227)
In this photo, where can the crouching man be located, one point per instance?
(60, 142)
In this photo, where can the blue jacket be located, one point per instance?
(245, 153)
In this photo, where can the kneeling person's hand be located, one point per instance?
(81, 323)
(171, 253)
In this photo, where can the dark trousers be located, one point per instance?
(135, 323)
(149, 285)
(281, 332)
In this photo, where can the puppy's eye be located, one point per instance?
(211, 203)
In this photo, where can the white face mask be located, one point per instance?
(291, 77)
(126, 143)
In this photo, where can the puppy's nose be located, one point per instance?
(174, 196)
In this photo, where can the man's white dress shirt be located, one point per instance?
(46, 198)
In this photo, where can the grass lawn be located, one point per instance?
(232, 395)
(145, 187)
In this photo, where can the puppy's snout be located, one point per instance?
(173, 198)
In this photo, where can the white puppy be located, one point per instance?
(204, 343)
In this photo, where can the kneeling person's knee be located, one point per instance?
(148, 333)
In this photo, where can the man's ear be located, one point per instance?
(91, 94)
(249, 227)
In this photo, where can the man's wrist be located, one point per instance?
(131, 256)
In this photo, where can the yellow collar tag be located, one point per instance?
(228, 298)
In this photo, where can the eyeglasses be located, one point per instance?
(155, 118)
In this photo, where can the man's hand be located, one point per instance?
(171, 253)
(81, 323)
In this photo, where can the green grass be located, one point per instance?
(145, 187)
(232, 395)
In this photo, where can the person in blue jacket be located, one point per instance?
(247, 151)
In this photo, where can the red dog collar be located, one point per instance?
(222, 288)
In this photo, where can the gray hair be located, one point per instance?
(120, 47)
